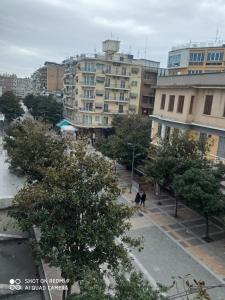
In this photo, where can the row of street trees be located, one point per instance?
(44, 107)
(179, 164)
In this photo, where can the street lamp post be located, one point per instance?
(132, 168)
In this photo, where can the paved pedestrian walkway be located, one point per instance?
(187, 229)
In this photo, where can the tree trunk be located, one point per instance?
(64, 295)
(157, 190)
(69, 285)
(207, 226)
(176, 207)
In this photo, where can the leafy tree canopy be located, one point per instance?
(10, 106)
(175, 156)
(128, 132)
(32, 148)
(93, 287)
(45, 107)
(76, 210)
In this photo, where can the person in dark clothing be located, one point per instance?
(137, 198)
(143, 198)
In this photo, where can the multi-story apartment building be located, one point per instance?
(98, 86)
(195, 103)
(196, 58)
(48, 79)
(69, 88)
(21, 87)
(149, 72)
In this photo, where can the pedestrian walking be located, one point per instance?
(143, 198)
(137, 198)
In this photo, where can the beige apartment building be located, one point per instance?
(195, 103)
(99, 86)
(197, 58)
(48, 79)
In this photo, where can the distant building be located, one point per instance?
(197, 58)
(48, 79)
(99, 86)
(195, 103)
(21, 87)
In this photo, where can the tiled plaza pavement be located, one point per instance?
(188, 229)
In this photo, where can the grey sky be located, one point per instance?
(33, 31)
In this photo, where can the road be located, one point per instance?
(162, 259)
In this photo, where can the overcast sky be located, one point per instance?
(33, 31)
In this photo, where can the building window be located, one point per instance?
(100, 66)
(134, 70)
(107, 82)
(174, 60)
(191, 104)
(89, 94)
(124, 70)
(107, 95)
(215, 56)
(120, 108)
(105, 121)
(224, 111)
(163, 101)
(122, 96)
(121, 58)
(196, 57)
(208, 105)
(106, 107)
(180, 104)
(122, 84)
(97, 119)
(134, 83)
(171, 103)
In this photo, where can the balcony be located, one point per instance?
(115, 112)
(85, 97)
(85, 110)
(87, 70)
(117, 87)
(116, 73)
(117, 99)
(89, 84)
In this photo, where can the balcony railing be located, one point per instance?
(85, 83)
(85, 97)
(117, 86)
(88, 70)
(115, 72)
(117, 99)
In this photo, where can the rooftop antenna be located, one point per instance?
(217, 34)
(129, 51)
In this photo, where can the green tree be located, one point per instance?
(76, 210)
(32, 149)
(29, 101)
(172, 157)
(201, 190)
(128, 130)
(44, 107)
(136, 287)
(10, 106)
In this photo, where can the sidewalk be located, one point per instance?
(187, 230)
